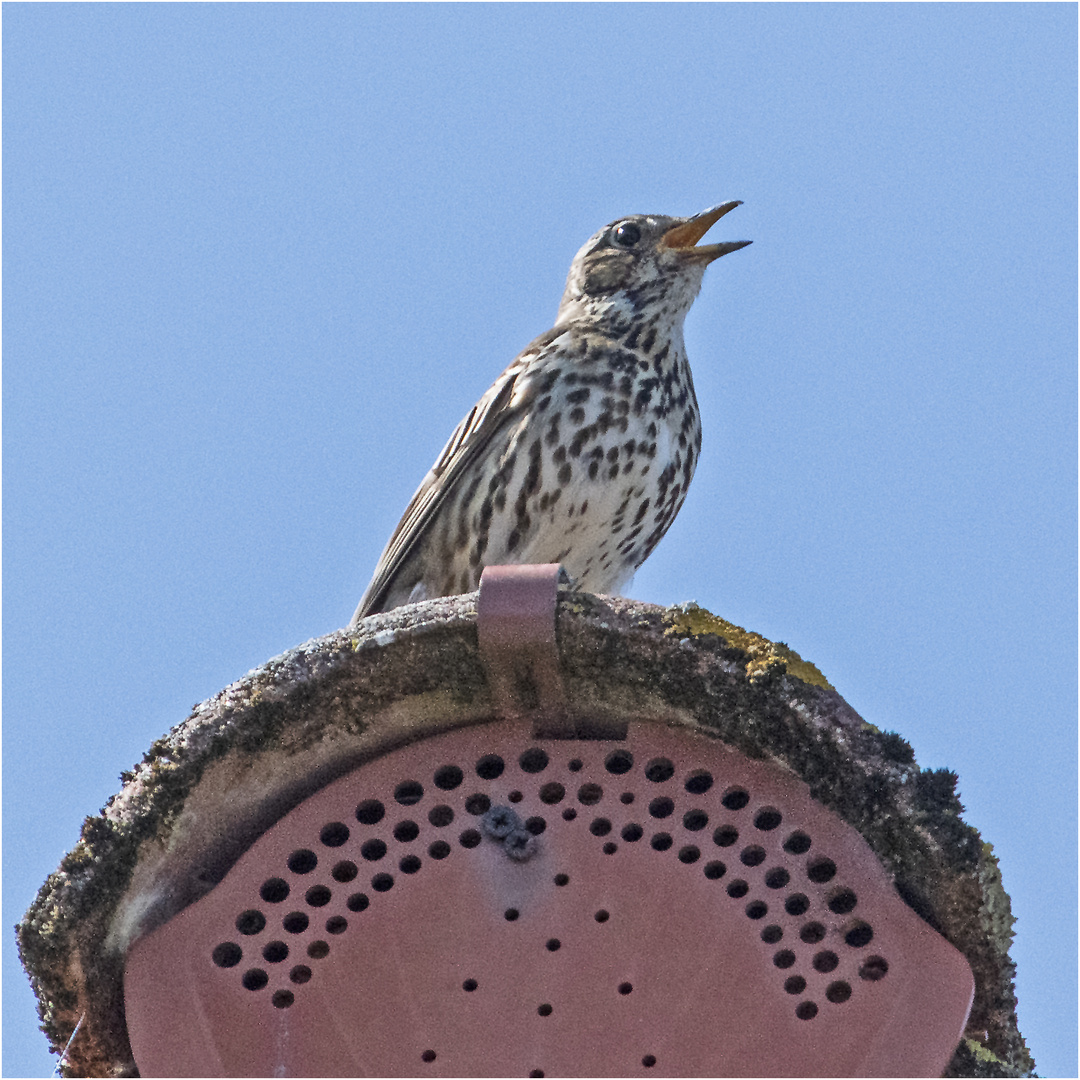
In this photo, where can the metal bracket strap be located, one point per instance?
(515, 618)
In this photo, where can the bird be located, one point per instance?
(582, 450)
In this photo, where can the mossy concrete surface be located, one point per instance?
(203, 793)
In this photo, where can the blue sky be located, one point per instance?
(260, 259)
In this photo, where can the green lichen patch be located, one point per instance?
(973, 1059)
(765, 657)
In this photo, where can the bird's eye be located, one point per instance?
(625, 235)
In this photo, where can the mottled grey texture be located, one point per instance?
(244, 758)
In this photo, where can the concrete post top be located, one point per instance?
(205, 792)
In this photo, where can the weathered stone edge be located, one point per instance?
(336, 701)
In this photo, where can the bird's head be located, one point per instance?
(643, 262)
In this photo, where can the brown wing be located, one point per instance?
(499, 407)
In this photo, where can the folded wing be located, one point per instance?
(503, 403)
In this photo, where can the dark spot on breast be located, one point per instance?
(576, 397)
(613, 472)
(577, 415)
(613, 454)
(532, 477)
(513, 540)
(649, 341)
(604, 380)
(643, 509)
(565, 472)
(584, 435)
(617, 359)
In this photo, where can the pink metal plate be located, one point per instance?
(482, 903)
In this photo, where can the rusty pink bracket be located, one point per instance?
(515, 618)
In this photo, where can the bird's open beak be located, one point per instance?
(683, 238)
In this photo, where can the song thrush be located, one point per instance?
(582, 451)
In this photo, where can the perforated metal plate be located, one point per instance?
(481, 903)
